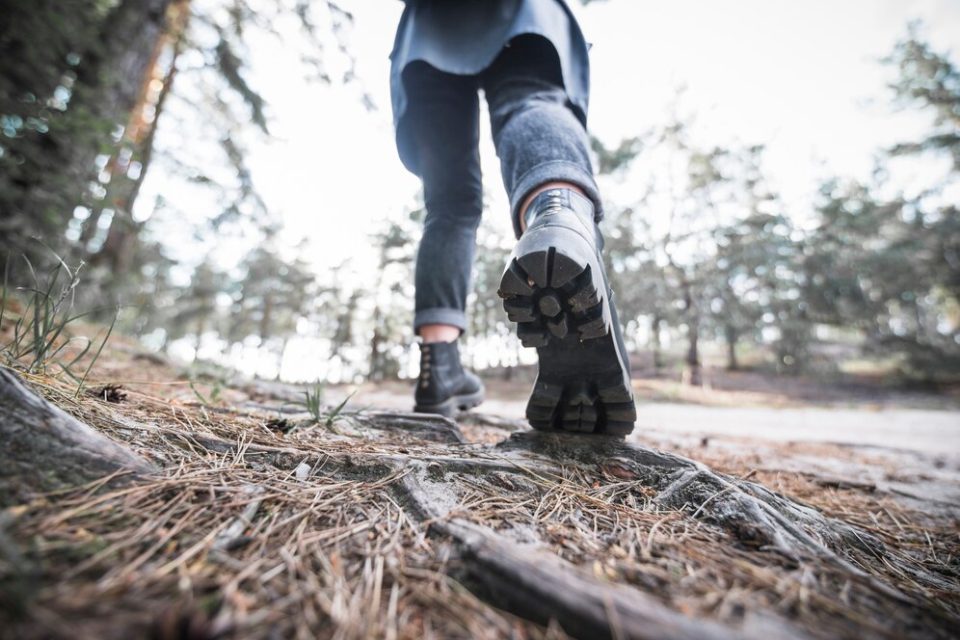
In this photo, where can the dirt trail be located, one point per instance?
(930, 432)
(933, 432)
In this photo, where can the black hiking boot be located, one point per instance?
(444, 386)
(556, 289)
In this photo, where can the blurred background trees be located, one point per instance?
(872, 271)
(705, 262)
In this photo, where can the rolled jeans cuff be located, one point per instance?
(554, 171)
(440, 315)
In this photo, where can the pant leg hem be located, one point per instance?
(555, 170)
(440, 315)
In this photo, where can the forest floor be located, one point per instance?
(795, 521)
(860, 431)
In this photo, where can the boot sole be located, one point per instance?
(554, 289)
(452, 405)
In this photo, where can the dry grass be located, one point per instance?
(236, 542)
(311, 556)
(614, 529)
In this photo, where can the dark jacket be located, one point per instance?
(464, 36)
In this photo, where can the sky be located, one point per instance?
(803, 78)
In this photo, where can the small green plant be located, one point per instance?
(202, 398)
(38, 333)
(332, 416)
(313, 400)
(206, 370)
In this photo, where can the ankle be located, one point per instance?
(438, 333)
(547, 186)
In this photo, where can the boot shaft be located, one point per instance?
(564, 207)
(444, 386)
(440, 369)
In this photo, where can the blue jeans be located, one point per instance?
(538, 139)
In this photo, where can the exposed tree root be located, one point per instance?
(42, 448)
(517, 572)
(527, 584)
(350, 529)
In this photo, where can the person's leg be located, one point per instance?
(554, 286)
(540, 141)
(444, 126)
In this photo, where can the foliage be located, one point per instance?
(392, 293)
(732, 266)
(83, 88)
(890, 267)
(41, 340)
(43, 48)
(930, 81)
(270, 295)
(313, 401)
(337, 410)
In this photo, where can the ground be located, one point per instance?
(906, 442)
(725, 514)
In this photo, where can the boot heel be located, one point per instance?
(552, 288)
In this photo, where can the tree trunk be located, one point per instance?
(691, 374)
(655, 342)
(343, 333)
(283, 352)
(201, 329)
(375, 369)
(107, 88)
(266, 318)
(731, 336)
(45, 449)
(137, 145)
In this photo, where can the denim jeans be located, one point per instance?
(538, 139)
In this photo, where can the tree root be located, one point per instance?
(516, 572)
(600, 537)
(45, 449)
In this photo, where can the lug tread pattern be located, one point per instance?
(551, 295)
